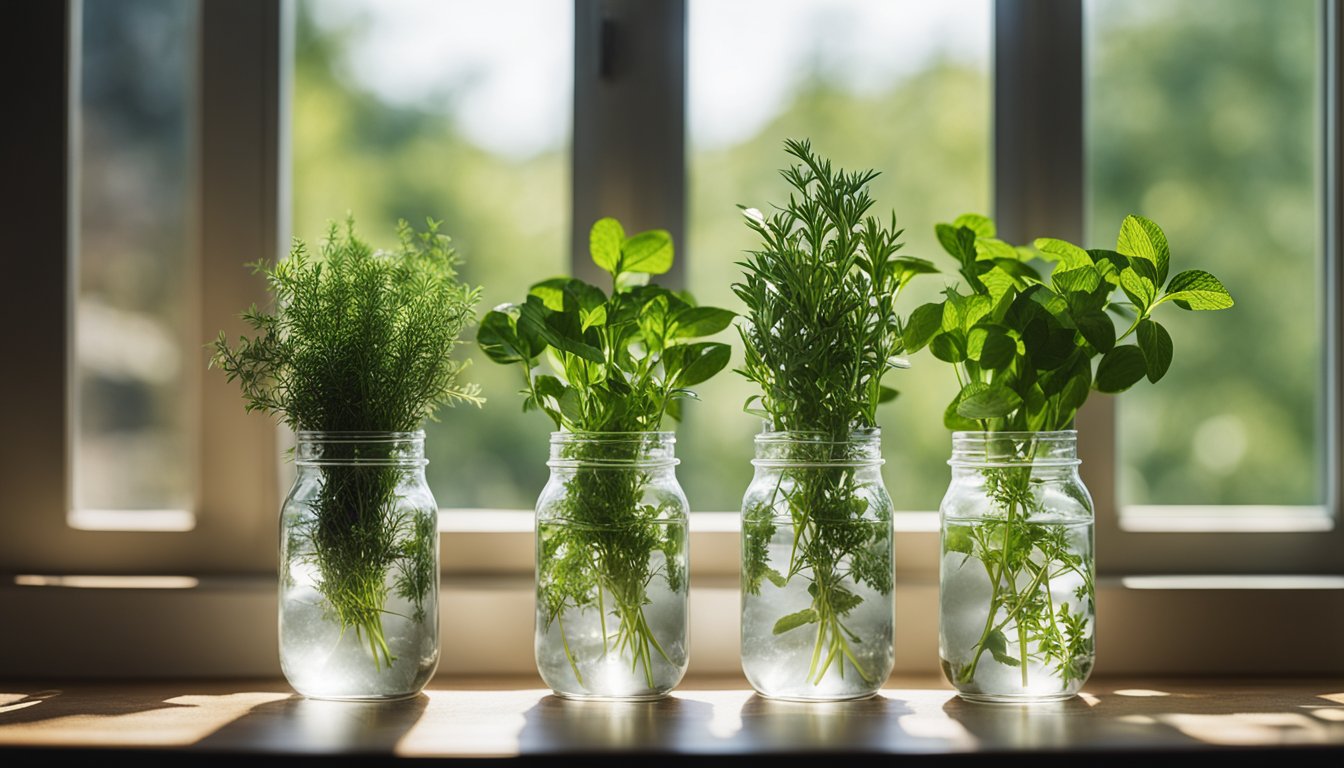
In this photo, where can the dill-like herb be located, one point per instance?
(359, 340)
(821, 332)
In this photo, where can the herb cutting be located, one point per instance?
(611, 523)
(820, 334)
(1018, 576)
(355, 355)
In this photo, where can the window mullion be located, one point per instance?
(629, 122)
(1040, 180)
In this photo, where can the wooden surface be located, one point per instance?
(1291, 722)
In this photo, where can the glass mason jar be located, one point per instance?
(359, 567)
(611, 562)
(817, 608)
(1016, 576)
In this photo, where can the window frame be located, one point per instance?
(487, 556)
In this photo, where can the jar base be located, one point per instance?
(361, 698)
(998, 698)
(612, 698)
(815, 699)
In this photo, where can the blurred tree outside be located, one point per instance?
(1205, 116)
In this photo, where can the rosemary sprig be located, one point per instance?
(820, 334)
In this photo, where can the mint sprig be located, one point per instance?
(1028, 351)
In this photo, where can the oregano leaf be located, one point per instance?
(647, 252)
(604, 244)
(992, 402)
(1196, 289)
(1142, 238)
(1157, 348)
(1120, 369)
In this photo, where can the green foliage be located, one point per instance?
(359, 340)
(821, 333)
(1024, 345)
(820, 292)
(620, 362)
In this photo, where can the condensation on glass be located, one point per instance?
(1205, 116)
(459, 111)
(138, 352)
(902, 87)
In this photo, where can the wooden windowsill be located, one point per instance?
(469, 719)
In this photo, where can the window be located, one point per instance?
(516, 123)
(458, 111)
(135, 329)
(1196, 110)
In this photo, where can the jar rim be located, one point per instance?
(356, 435)
(816, 436)
(664, 435)
(1046, 434)
(984, 449)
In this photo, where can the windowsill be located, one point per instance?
(715, 718)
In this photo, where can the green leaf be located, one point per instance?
(949, 346)
(1068, 255)
(1196, 289)
(887, 394)
(957, 538)
(1109, 264)
(955, 421)
(1143, 238)
(924, 323)
(604, 244)
(1079, 279)
(498, 338)
(997, 645)
(991, 346)
(982, 226)
(1139, 288)
(1120, 369)
(1098, 329)
(551, 292)
(694, 322)
(595, 316)
(992, 402)
(795, 620)
(694, 363)
(557, 329)
(647, 252)
(1157, 348)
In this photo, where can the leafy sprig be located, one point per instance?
(356, 339)
(821, 328)
(620, 362)
(359, 339)
(820, 334)
(1029, 351)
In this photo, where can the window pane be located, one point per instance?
(458, 111)
(137, 346)
(901, 87)
(1204, 115)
